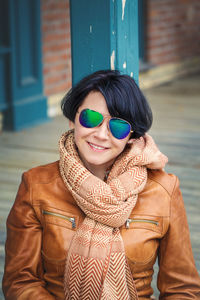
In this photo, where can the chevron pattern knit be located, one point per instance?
(96, 266)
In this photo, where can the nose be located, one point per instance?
(102, 131)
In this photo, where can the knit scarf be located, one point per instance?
(96, 265)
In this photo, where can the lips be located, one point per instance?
(97, 147)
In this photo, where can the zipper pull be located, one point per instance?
(128, 221)
(72, 220)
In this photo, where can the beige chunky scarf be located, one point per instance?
(96, 266)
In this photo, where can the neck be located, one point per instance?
(100, 172)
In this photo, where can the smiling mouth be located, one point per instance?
(96, 147)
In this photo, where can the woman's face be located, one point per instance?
(97, 147)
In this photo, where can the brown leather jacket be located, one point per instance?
(45, 217)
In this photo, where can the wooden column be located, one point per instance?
(104, 35)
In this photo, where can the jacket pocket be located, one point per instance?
(52, 215)
(59, 228)
(141, 235)
(147, 222)
(53, 267)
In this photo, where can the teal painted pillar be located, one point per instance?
(104, 35)
(24, 103)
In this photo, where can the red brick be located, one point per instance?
(56, 46)
(174, 22)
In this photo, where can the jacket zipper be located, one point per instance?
(128, 221)
(70, 219)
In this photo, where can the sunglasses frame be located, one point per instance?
(110, 118)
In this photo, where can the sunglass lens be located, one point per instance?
(90, 118)
(119, 128)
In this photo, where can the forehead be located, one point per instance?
(95, 101)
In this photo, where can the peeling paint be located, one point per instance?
(131, 74)
(123, 8)
(112, 60)
(90, 28)
(124, 65)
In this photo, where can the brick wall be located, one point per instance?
(173, 28)
(56, 46)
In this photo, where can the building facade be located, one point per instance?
(169, 43)
(169, 46)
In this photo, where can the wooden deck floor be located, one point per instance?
(176, 129)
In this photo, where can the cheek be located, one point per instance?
(120, 146)
(77, 136)
(80, 134)
(123, 142)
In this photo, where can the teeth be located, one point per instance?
(97, 147)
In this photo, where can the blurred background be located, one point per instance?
(36, 71)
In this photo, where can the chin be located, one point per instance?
(95, 163)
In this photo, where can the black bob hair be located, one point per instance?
(123, 97)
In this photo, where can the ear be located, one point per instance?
(130, 141)
(71, 124)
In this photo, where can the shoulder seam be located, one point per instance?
(30, 174)
(45, 181)
(174, 184)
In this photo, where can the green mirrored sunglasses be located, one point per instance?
(119, 128)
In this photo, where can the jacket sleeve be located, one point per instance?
(23, 275)
(178, 277)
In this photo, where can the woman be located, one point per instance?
(91, 225)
